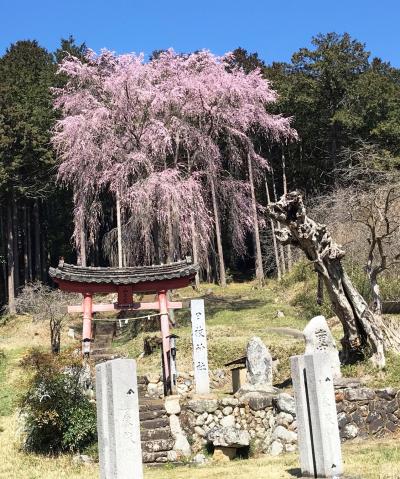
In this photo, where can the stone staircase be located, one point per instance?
(157, 441)
(103, 332)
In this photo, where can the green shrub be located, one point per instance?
(57, 414)
(302, 271)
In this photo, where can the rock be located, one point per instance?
(350, 431)
(172, 405)
(182, 446)
(258, 363)
(284, 435)
(228, 437)
(257, 400)
(290, 447)
(82, 459)
(284, 419)
(203, 405)
(152, 389)
(387, 393)
(174, 425)
(228, 421)
(200, 431)
(319, 339)
(153, 378)
(360, 394)
(183, 375)
(280, 314)
(227, 410)
(276, 448)
(230, 402)
(200, 459)
(285, 403)
(200, 421)
(172, 456)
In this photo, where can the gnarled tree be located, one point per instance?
(364, 332)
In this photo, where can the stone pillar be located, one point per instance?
(317, 427)
(164, 321)
(199, 342)
(118, 425)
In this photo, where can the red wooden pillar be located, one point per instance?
(87, 322)
(164, 320)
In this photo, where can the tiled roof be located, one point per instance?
(129, 275)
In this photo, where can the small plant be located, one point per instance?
(56, 413)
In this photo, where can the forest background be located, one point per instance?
(345, 107)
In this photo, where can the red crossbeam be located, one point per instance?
(107, 307)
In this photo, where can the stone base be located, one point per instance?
(224, 454)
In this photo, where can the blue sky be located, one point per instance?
(275, 29)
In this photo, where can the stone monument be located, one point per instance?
(199, 343)
(118, 425)
(319, 339)
(317, 425)
(259, 370)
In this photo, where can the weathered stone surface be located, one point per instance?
(152, 378)
(230, 402)
(284, 419)
(155, 423)
(276, 448)
(258, 363)
(172, 405)
(350, 431)
(387, 393)
(319, 339)
(228, 421)
(285, 402)
(359, 394)
(158, 445)
(257, 400)
(159, 433)
(284, 435)
(200, 431)
(228, 437)
(203, 405)
(182, 446)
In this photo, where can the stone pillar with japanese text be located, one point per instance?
(199, 341)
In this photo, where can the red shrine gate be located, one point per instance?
(125, 282)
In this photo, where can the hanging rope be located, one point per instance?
(148, 316)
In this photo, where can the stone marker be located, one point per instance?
(317, 426)
(319, 339)
(118, 425)
(199, 341)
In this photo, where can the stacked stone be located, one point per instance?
(364, 412)
(269, 421)
(154, 387)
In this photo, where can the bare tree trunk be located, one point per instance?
(26, 254)
(276, 253)
(257, 242)
(221, 263)
(82, 246)
(55, 336)
(10, 261)
(284, 181)
(281, 249)
(362, 329)
(119, 232)
(38, 259)
(15, 225)
(195, 252)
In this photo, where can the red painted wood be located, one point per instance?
(109, 307)
(164, 320)
(87, 316)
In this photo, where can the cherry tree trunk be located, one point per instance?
(274, 241)
(375, 291)
(364, 331)
(257, 242)
(195, 251)
(220, 252)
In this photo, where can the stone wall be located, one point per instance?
(365, 412)
(271, 421)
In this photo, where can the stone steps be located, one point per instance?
(155, 431)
